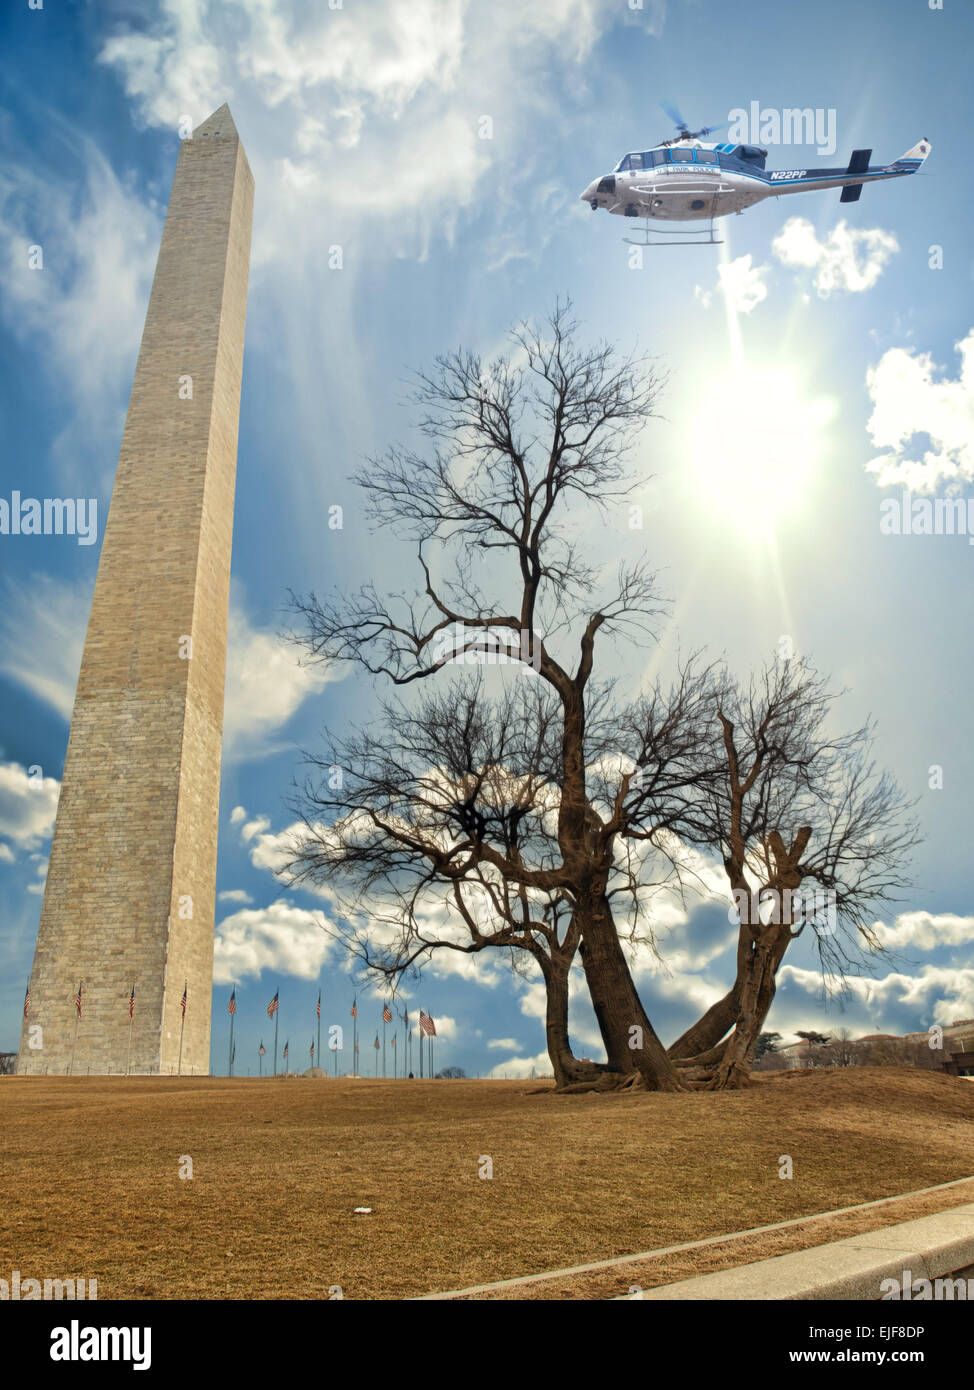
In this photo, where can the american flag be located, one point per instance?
(260, 1050)
(319, 1003)
(393, 1039)
(386, 1014)
(132, 1003)
(426, 1025)
(272, 1006)
(311, 1052)
(77, 1001)
(376, 1043)
(354, 1008)
(183, 1000)
(232, 1006)
(285, 1051)
(27, 1001)
(405, 1018)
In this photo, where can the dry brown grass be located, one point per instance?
(90, 1178)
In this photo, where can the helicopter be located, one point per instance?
(689, 179)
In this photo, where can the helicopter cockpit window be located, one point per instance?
(706, 156)
(622, 166)
(659, 156)
(682, 156)
(635, 161)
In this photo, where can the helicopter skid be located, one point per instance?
(682, 236)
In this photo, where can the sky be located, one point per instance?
(819, 362)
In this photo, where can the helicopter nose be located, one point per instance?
(590, 192)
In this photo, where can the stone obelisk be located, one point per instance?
(129, 901)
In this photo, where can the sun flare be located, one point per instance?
(755, 442)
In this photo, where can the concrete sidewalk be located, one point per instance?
(930, 1247)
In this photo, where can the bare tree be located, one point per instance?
(510, 445)
(561, 824)
(425, 805)
(432, 802)
(812, 838)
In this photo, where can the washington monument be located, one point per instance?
(123, 969)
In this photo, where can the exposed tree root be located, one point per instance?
(613, 1083)
(711, 1057)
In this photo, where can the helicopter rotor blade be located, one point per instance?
(712, 129)
(670, 110)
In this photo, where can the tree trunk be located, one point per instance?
(631, 1044)
(566, 1067)
(720, 1018)
(757, 991)
(708, 1030)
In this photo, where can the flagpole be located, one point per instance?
(182, 1025)
(277, 1014)
(74, 1044)
(319, 1027)
(383, 1047)
(128, 1059)
(231, 1044)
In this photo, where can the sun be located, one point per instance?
(755, 441)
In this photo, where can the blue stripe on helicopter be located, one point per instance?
(813, 176)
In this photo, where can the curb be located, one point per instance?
(929, 1247)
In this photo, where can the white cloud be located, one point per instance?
(280, 938)
(40, 875)
(521, 1067)
(504, 1044)
(265, 685)
(446, 1027)
(938, 994)
(234, 895)
(6, 853)
(908, 404)
(253, 828)
(925, 931)
(237, 815)
(848, 258)
(370, 109)
(741, 283)
(87, 304)
(42, 633)
(28, 805)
